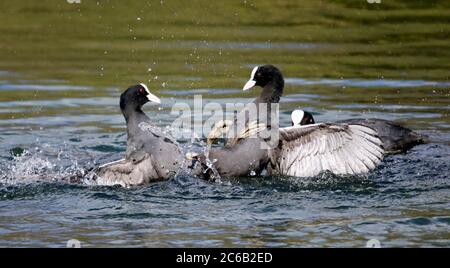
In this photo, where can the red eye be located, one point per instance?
(141, 90)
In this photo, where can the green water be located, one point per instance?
(63, 66)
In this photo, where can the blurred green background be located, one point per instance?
(189, 45)
(115, 43)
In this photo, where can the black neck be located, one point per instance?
(270, 94)
(134, 114)
(273, 91)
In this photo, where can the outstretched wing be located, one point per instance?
(306, 151)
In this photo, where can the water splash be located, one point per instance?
(40, 164)
(215, 176)
(27, 167)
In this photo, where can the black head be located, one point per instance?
(136, 96)
(308, 119)
(264, 75)
(302, 118)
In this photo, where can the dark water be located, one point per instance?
(405, 202)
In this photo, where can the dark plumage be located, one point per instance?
(245, 156)
(238, 160)
(300, 151)
(271, 80)
(395, 137)
(151, 155)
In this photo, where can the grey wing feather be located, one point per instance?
(306, 151)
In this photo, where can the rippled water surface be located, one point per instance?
(405, 202)
(59, 115)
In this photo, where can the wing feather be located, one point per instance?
(126, 173)
(343, 149)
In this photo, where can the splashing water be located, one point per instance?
(42, 164)
(215, 174)
(27, 167)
